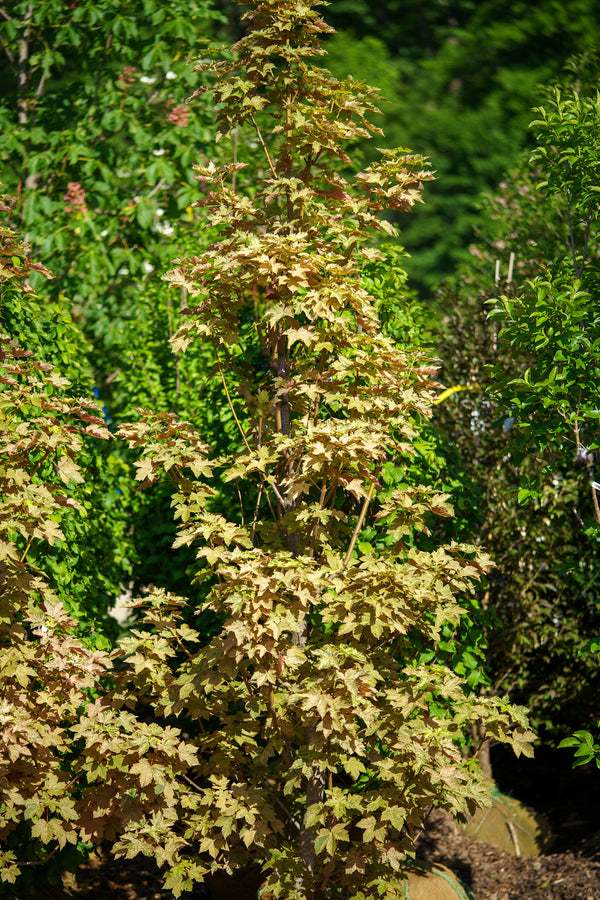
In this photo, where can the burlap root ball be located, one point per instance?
(511, 826)
(434, 882)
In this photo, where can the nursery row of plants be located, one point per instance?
(357, 526)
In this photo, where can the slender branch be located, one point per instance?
(571, 232)
(586, 239)
(240, 499)
(277, 493)
(236, 137)
(317, 400)
(288, 134)
(40, 88)
(256, 508)
(511, 263)
(110, 378)
(313, 542)
(282, 806)
(40, 462)
(274, 516)
(229, 400)
(361, 519)
(7, 51)
(24, 73)
(595, 502)
(145, 374)
(193, 783)
(160, 184)
(264, 146)
(27, 549)
(39, 862)
(515, 839)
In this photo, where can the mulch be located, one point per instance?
(572, 874)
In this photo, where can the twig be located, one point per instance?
(7, 51)
(256, 508)
(161, 183)
(145, 374)
(241, 504)
(361, 519)
(282, 805)
(264, 146)
(571, 232)
(515, 839)
(236, 136)
(595, 488)
(586, 239)
(40, 88)
(26, 550)
(229, 400)
(111, 377)
(193, 783)
(313, 541)
(317, 400)
(277, 493)
(39, 862)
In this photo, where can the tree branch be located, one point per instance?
(263, 145)
(24, 73)
(361, 518)
(7, 51)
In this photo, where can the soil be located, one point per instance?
(569, 800)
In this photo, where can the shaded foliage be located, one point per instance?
(526, 422)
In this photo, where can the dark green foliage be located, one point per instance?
(461, 78)
(526, 423)
(92, 113)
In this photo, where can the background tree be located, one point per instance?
(461, 79)
(92, 116)
(72, 774)
(88, 566)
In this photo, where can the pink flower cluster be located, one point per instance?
(75, 199)
(179, 116)
(127, 77)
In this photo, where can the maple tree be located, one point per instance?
(72, 773)
(322, 740)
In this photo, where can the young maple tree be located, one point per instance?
(322, 743)
(72, 773)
